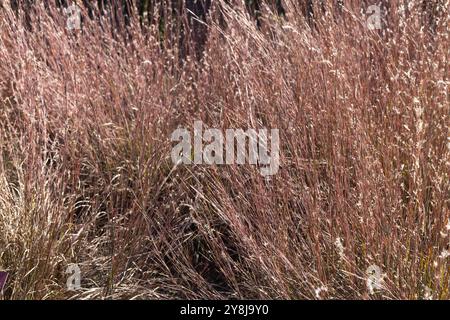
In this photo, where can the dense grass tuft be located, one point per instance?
(86, 175)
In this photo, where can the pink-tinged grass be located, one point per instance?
(86, 175)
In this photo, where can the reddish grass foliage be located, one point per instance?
(86, 175)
